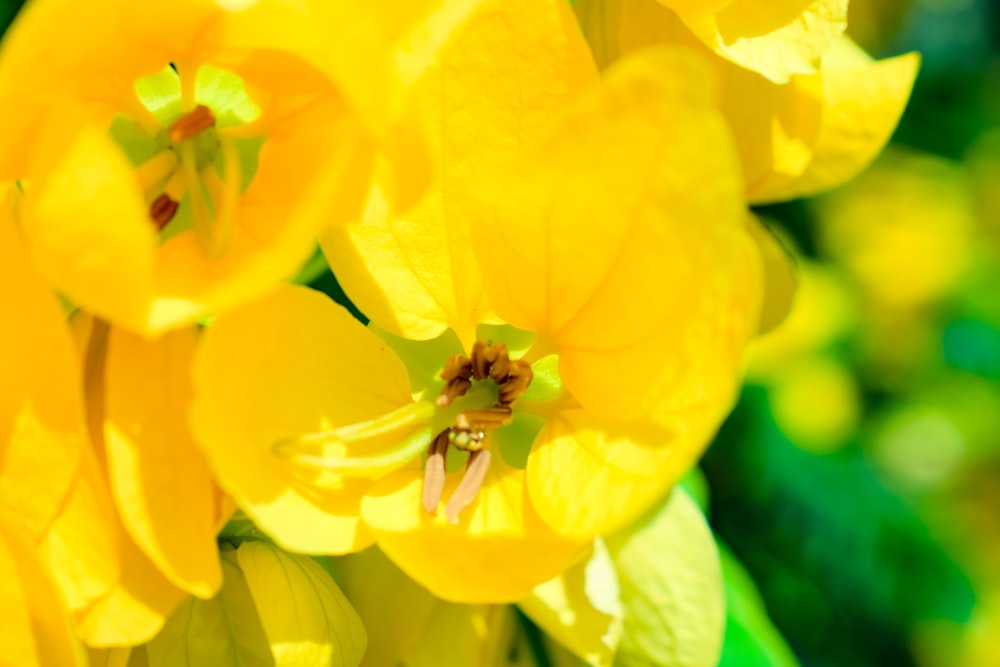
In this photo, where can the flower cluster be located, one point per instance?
(540, 209)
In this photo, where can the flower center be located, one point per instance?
(191, 139)
(471, 428)
(474, 403)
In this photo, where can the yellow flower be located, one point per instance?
(178, 158)
(605, 221)
(44, 434)
(796, 135)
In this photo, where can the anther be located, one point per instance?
(499, 359)
(480, 363)
(162, 210)
(192, 123)
(456, 387)
(457, 366)
(517, 384)
(468, 488)
(434, 471)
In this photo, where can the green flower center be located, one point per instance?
(194, 144)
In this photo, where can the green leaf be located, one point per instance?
(671, 585)
(222, 631)
(582, 608)
(306, 619)
(751, 639)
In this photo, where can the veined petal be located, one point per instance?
(36, 627)
(499, 550)
(587, 475)
(424, 630)
(223, 630)
(291, 364)
(42, 430)
(159, 478)
(82, 544)
(323, 628)
(416, 275)
(776, 38)
(859, 104)
(608, 239)
(135, 609)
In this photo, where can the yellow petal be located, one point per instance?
(36, 628)
(425, 631)
(776, 38)
(606, 238)
(41, 407)
(581, 608)
(81, 547)
(291, 364)
(89, 231)
(588, 475)
(223, 630)
(859, 104)
(672, 588)
(305, 616)
(160, 479)
(416, 276)
(780, 278)
(506, 550)
(135, 609)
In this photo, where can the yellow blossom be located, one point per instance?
(796, 135)
(607, 225)
(44, 435)
(178, 158)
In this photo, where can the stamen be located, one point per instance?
(457, 366)
(480, 364)
(359, 466)
(192, 123)
(162, 211)
(152, 173)
(518, 381)
(468, 488)
(456, 387)
(488, 419)
(434, 471)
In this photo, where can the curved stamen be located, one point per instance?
(362, 466)
(468, 488)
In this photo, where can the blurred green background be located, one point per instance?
(858, 480)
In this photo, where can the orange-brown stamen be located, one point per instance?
(162, 210)
(192, 123)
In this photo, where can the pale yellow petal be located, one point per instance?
(135, 609)
(776, 38)
(36, 627)
(160, 479)
(223, 630)
(82, 545)
(291, 364)
(505, 549)
(416, 275)
(323, 628)
(608, 240)
(42, 431)
(857, 104)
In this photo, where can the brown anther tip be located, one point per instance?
(517, 384)
(480, 362)
(457, 366)
(162, 210)
(190, 124)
